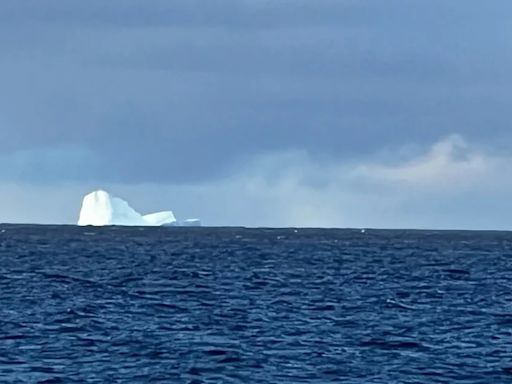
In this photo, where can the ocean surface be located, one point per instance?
(201, 305)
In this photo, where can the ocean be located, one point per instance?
(234, 305)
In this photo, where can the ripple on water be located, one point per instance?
(254, 306)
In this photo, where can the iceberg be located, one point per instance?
(99, 208)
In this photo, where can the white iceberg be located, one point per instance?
(99, 208)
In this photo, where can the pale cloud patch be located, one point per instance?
(448, 185)
(451, 161)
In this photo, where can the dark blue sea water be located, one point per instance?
(199, 305)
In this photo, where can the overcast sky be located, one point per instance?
(343, 113)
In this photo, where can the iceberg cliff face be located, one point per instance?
(99, 208)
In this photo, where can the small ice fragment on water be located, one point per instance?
(191, 223)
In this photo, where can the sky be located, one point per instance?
(328, 113)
